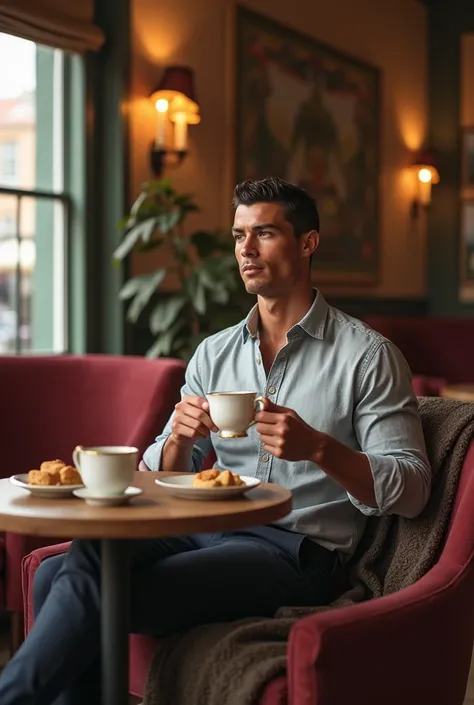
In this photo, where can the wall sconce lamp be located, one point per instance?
(175, 101)
(427, 174)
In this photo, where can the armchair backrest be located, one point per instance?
(50, 404)
(459, 546)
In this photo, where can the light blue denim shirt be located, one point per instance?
(342, 378)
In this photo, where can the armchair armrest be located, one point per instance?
(409, 647)
(29, 566)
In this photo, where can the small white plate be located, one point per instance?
(108, 500)
(45, 491)
(181, 486)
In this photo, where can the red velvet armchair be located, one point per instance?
(409, 648)
(49, 404)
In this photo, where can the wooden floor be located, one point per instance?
(4, 653)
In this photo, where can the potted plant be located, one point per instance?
(202, 262)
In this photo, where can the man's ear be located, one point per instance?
(310, 243)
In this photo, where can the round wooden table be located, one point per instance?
(461, 392)
(155, 513)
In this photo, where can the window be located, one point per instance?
(34, 204)
(8, 162)
(7, 226)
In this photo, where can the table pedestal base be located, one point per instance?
(115, 618)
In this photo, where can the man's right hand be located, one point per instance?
(191, 421)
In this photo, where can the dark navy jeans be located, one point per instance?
(176, 583)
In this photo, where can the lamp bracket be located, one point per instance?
(161, 158)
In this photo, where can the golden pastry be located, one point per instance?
(206, 478)
(226, 479)
(42, 477)
(216, 478)
(69, 476)
(52, 466)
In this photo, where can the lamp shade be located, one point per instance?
(177, 84)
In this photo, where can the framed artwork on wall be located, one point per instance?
(467, 242)
(467, 155)
(311, 114)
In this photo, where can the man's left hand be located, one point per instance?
(285, 435)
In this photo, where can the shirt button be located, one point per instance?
(271, 390)
(258, 361)
(265, 458)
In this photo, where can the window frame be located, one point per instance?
(55, 249)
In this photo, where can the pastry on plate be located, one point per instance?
(68, 475)
(216, 478)
(52, 466)
(54, 472)
(42, 477)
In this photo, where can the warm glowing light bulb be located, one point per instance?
(162, 105)
(425, 175)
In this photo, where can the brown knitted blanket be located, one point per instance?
(230, 663)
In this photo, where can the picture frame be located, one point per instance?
(467, 159)
(467, 243)
(311, 114)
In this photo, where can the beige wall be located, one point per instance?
(388, 33)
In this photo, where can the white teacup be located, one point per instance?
(106, 470)
(234, 412)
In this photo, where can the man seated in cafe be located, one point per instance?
(340, 429)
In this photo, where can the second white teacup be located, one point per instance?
(234, 412)
(106, 470)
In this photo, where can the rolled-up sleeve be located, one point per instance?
(389, 431)
(193, 385)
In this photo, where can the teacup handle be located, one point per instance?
(76, 456)
(259, 405)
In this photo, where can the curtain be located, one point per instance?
(63, 24)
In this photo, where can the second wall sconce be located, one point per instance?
(175, 102)
(424, 166)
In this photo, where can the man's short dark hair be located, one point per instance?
(300, 208)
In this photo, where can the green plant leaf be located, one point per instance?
(165, 313)
(139, 201)
(167, 221)
(206, 243)
(141, 231)
(187, 203)
(163, 344)
(149, 285)
(127, 244)
(196, 293)
(180, 249)
(220, 295)
(149, 246)
(131, 286)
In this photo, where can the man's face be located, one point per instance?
(270, 257)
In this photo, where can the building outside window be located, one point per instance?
(9, 156)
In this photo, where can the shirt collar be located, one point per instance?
(312, 323)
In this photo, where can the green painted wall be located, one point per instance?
(447, 21)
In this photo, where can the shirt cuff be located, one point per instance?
(388, 485)
(152, 455)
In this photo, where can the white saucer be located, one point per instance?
(48, 491)
(108, 500)
(181, 486)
